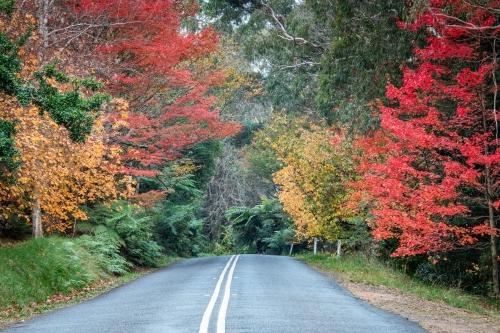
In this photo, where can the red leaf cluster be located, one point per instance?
(439, 137)
(151, 60)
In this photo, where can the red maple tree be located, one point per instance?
(436, 161)
(151, 61)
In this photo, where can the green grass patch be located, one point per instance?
(33, 271)
(358, 268)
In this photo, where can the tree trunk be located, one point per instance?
(494, 254)
(36, 219)
(493, 237)
(43, 11)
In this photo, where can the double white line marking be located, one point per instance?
(221, 321)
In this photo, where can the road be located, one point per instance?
(228, 294)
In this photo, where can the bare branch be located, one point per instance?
(301, 64)
(286, 35)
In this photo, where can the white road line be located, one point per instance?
(221, 321)
(206, 316)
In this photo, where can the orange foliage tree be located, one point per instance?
(50, 172)
(57, 176)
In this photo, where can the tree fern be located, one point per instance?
(259, 228)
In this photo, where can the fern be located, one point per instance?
(255, 228)
(120, 228)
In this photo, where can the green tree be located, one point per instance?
(367, 49)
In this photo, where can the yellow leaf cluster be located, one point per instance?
(60, 174)
(312, 181)
(55, 172)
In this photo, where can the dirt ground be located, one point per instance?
(435, 317)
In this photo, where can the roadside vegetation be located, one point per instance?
(45, 273)
(372, 271)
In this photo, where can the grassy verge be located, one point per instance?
(47, 273)
(357, 268)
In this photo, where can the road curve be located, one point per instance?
(228, 294)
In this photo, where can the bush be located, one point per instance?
(14, 227)
(177, 229)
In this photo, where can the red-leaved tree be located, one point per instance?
(433, 172)
(153, 62)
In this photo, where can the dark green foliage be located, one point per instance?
(14, 227)
(10, 65)
(229, 13)
(288, 69)
(105, 247)
(178, 229)
(204, 156)
(7, 6)
(260, 229)
(468, 270)
(10, 83)
(279, 242)
(177, 226)
(358, 48)
(262, 162)
(8, 154)
(245, 136)
(120, 229)
(357, 236)
(69, 109)
(367, 49)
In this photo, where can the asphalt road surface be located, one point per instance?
(229, 294)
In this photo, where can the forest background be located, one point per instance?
(142, 128)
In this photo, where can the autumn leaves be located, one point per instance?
(64, 153)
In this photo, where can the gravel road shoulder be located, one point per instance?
(436, 317)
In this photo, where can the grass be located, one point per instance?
(357, 268)
(47, 273)
(39, 268)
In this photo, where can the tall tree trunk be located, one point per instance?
(493, 237)
(36, 219)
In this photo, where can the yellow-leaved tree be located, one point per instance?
(312, 184)
(56, 175)
(54, 158)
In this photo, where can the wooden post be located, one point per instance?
(315, 244)
(291, 248)
(339, 245)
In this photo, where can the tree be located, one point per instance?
(57, 176)
(76, 108)
(42, 169)
(317, 56)
(433, 171)
(277, 38)
(368, 48)
(153, 65)
(316, 164)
